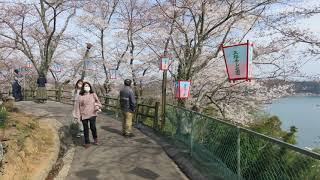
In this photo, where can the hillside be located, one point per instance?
(305, 87)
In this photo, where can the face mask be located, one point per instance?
(87, 89)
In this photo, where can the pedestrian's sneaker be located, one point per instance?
(95, 142)
(129, 135)
(86, 146)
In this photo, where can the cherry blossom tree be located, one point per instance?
(133, 21)
(35, 29)
(96, 20)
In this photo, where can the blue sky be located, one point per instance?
(313, 66)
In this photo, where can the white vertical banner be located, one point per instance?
(238, 59)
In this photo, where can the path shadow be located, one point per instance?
(42, 116)
(90, 174)
(143, 141)
(145, 173)
(112, 130)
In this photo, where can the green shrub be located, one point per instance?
(3, 116)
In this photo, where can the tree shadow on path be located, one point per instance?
(90, 174)
(145, 173)
(112, 130)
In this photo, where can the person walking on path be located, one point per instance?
(75, 98)
(128, 105)
(16, 86)
(42, 91)
(87, 108)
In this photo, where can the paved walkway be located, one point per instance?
(116, 157)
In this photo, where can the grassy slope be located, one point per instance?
(28, 145)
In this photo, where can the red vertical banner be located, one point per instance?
(182, 89)
(164, 63)
(29, 64)
(113, 74)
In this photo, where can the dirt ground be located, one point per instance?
(27, 144)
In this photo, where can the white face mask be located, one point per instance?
(87, 89)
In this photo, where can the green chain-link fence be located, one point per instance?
(232, 152)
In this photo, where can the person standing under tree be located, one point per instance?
(42, 91)
(128, 105)
(16, 86)
(75, 98)
(88, 106)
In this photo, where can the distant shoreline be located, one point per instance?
(303, 94)
(293, 95)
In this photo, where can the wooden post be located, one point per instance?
(106, 102)
(118, 108)
(156, 116)
(56, 92)
(24, 87)
(164, 99)
(136, 114)
(32, 94)
(59, 94)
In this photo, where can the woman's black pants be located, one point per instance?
(93, 128)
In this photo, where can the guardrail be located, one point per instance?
(145, 113)
(144, 116)
(234, 152)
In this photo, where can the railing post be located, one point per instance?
(118, 109)
(32, 94)
(106, 102)
(55, 90)
(238, 153)
(156, 116)
(59, 94)
(191, 133)
(136, 116)
(163, 100)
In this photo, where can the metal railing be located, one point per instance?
(234, 152)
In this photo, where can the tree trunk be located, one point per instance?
(86, 55)
(140, 89)
(107, 86)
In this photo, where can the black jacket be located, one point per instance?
(127, 99)
(41, 82)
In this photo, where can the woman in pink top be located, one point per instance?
(88, 106)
